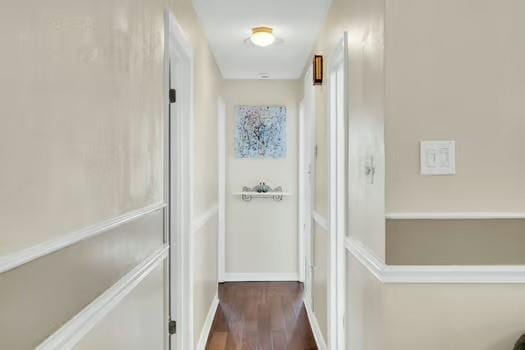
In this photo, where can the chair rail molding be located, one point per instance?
(455, 216)
(24, 256)
(321, 221)
(72, 332)
(434, 274)
(201, 220)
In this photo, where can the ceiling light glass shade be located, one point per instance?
(262, 36)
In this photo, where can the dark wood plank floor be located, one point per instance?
(261, 316)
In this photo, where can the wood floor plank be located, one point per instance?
(261, 316)
(218, 341)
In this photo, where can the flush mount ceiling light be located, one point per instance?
(262, 36)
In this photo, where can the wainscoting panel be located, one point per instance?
(37, 298)
(455, 241)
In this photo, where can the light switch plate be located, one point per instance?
(438, 157)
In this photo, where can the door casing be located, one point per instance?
(178, 180)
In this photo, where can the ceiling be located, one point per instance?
(228, 24)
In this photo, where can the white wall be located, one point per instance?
(261, 236)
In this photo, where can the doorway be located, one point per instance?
(179, 72)
(306, 186)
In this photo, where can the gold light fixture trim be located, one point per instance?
(262, 36)
(318, 70)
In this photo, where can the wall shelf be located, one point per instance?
(249, 195)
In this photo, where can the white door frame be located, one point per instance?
(306, 195)
(179, 123)
(221, 139)
(338, 130)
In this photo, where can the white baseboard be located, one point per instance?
(206, 328)
(318, 335)
(260, 277)
(67, 336)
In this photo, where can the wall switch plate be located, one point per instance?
(438, 157)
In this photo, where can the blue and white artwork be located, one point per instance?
(260, 132)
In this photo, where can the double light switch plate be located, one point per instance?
(438, 157)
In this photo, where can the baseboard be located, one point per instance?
(260, 277)
(206, 328)
(318, 335)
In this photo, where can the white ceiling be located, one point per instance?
(228, 23)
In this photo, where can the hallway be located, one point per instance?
(262, 175)
(262, 316)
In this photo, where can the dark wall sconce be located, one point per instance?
(318, 70)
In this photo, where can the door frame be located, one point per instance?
(306, 149)
(221, 140)
(338, 136)
(178, 179)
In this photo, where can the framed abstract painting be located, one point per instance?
(260, 132)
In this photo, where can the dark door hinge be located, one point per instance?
(173, 95)
(172, 327)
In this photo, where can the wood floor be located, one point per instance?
(261, 316)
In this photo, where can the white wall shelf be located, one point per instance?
(248, 196)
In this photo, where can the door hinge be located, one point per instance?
(173, 95)
(172, 327)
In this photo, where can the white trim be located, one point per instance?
(456, 216)
(321, 221)
(206, 328)
(11, 261)
(337, 136)
(67, 336)
(221, 222)
(260, 277)
(442, 274)
(200, 221)
(314, 324)
(301, 197)
(181, 60)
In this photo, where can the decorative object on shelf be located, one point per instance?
(318, 70)
(260, 132)
(262, 190)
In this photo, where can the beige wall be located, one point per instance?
(81, 136)
(430, 316)
(364, 22)
(455, 242)
(137, 323)
(436, 317)
(320, 273)
(82, 142)
(459, 76)
(365, 309)
(261, 235)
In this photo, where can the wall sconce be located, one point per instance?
(318, 70)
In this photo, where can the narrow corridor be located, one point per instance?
(262, 316)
